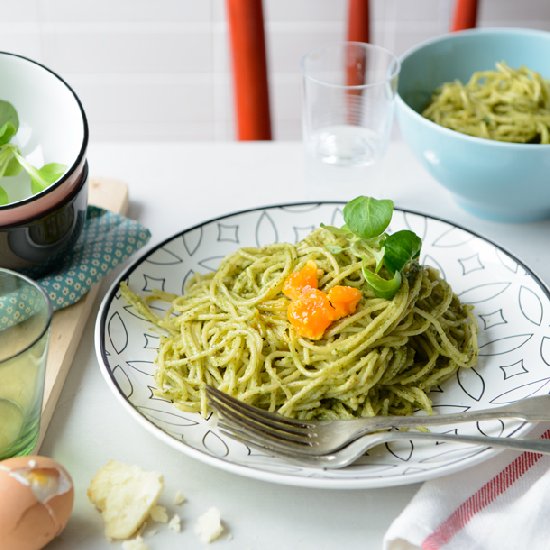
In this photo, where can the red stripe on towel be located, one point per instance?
(482, 498)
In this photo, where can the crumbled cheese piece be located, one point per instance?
(124, 495)
(135, 544)
(209, 526)
(159, 514)
(179, 498)
(175, 523)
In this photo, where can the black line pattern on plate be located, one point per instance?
(521, 392)
(300, 208)
(378, 466)
(123, 380)
(500, 346)
(489, 428)
(545, 350)
(228, 233)
(470, 264)
(530, 305)
(168, 417)
(153, 283)
(452, 238)
(132, 311)
(337, 217)
(266, 230)
(214, 444)
(251, 451)
(185, 280)
(515, 369)
(151, 341)
(161, 307)
(192, 240)
(153, 397)
(453, 452)
(452, 431)
(402, 450)
(163, 256)
(144, 367)
(118, 333)
(493, 319)
(416, 223)
(484, 292)
(450, 241)
(430, 260)
(471, 382)
(211, 263)
(508, 262)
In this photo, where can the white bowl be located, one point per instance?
(52, 128)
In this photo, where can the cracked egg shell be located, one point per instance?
(37, 501)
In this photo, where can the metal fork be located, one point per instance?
(355, 450)
(318, 438)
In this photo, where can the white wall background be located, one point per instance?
(160, 69)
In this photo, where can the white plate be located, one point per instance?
(511, 303)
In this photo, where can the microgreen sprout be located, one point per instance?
(366, 220)
(12, 160)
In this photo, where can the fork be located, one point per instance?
(355, 450)
(318, 438)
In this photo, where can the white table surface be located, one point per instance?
(175, 185)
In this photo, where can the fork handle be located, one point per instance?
(533, 409)
(535, 445)
(348, 455)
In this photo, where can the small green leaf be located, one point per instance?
(9, 122)
(400, 248)
(9, 165)
(4, 199)
(379, 257)
(13, 167)
(45, 176)
(368, 217)
(382, 288)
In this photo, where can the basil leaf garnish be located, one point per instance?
(400, 248)
(368, 217)
(383, 288)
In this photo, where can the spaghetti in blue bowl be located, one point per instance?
(497, 180)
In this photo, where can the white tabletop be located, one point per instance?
(175, 185)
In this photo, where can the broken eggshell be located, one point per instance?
(36, 501)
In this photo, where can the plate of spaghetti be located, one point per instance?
(326, 310)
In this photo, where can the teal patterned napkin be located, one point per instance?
(19, 305)
(107, 239)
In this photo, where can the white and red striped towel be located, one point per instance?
(502, 504)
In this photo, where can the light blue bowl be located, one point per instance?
(491, 179)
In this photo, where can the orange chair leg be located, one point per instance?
(465, 15)
(358, 21)
(358, 31)
(248, 54)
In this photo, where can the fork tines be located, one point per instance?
(256, 425)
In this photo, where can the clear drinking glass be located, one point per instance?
(348, 102)
(25, 318)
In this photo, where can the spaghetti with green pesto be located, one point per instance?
(511, 105)
(230, 329)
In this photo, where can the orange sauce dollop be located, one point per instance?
(311, 311)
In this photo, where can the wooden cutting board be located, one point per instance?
(68, 324)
